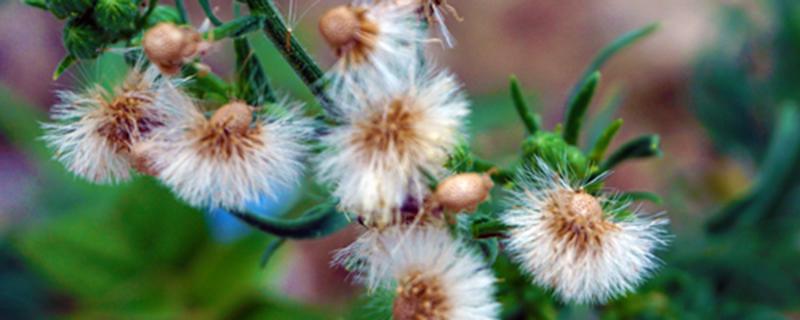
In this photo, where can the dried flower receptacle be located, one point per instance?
(463, 192)
(169, 46)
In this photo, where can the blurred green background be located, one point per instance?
(718, 82)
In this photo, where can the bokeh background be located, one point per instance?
(712, 82)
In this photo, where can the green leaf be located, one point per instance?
(270, 250)
(41, 4)
(604, 117)
(531, 120)
(209, 13)
(603, 141)
(607, 52)
(778, 172)
(318, 222)
(63, 65)
(576, 110)
(642, 196)
(252, 82)
(235, 28)
(642, 147)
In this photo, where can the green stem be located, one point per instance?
(210, 13)
(318, 222)
(271, 249)
(183, 17)
(532, 121)
(291, 49)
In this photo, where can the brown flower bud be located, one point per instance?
(464, 192)
(235, 116)
(339, 26)
(168, 46)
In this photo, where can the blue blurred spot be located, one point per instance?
(226, 228)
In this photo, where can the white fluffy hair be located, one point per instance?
(612, 264)
(398, 44)
(381, 258)
(79, 118)
(379, 156)
(272, 157)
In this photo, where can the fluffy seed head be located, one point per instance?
(587, 248)
(168, 46)
(434, 275)
(231, 159)
(95, 132)
(372, 41)
(390, 138)
(463, 192)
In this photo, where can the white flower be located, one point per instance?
(584, 247)
(372, 40)
(392, 134)
(94, 132)
(232, 158)
(434, 275)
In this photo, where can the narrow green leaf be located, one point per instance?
(576, 110)
(609, 51)
(210, 13)
(642, 147)
(270, 250)
(603, 141)
(777, 174)
(252, 83)
(642, 196)
(41, 4)
(183, 17)
(235, 28)
(65, 63)
(318, 222)
(604, 116)
(531, 120)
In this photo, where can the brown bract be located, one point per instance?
(349, 32)
(229, 132)
(463, 192)
(168, 46)
(577, 218)
(420, 298)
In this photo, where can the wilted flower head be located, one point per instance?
(95, 132)
(371, 40)
(231, 158)
(394, 133)
(587, 248)
(434, 275)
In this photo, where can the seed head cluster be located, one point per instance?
(394, 123)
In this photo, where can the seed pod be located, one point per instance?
(339, 26)
(234, 116)
(69, 8)
(464, 192)
(168, 46)
(115, 16)
(83, 40)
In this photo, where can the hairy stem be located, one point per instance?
(294, 53)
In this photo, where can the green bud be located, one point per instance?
(116, 16)
(83, 40)
(69, 8)
(557, 153)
